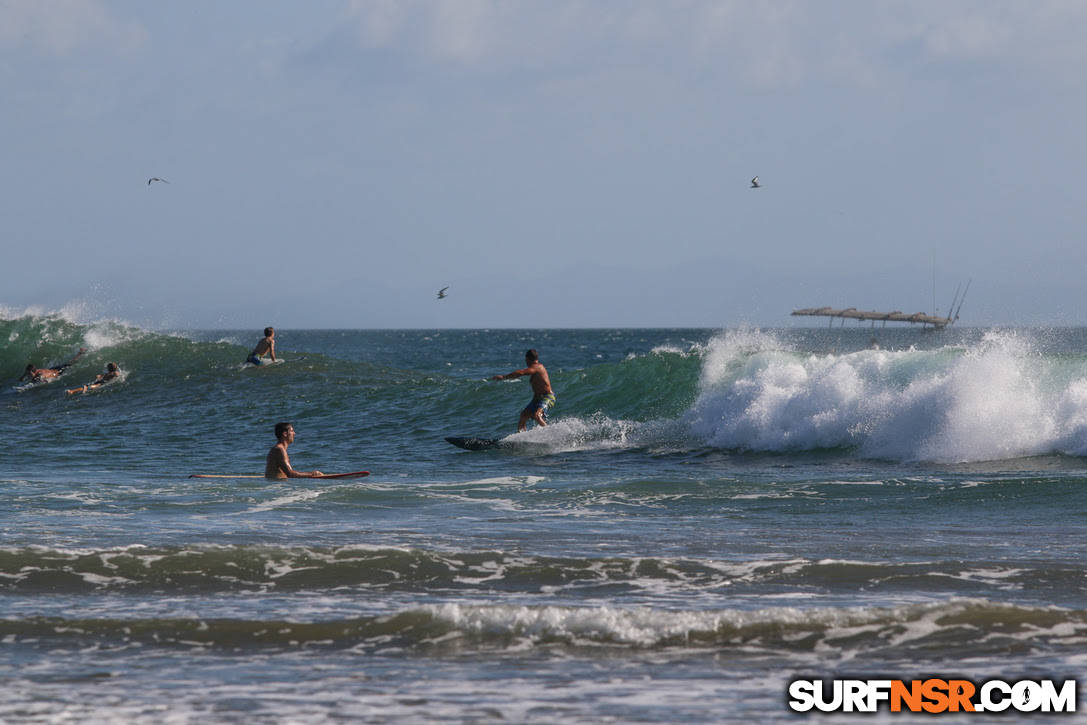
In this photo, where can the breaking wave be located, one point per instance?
(968, 627)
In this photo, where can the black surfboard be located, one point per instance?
(472, 443)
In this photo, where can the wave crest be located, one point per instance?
(966, 627)
(995, 400)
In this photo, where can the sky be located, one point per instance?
(555, 164)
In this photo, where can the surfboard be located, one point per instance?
(472, 443)
(35, 384)
(30, 386)
(265, 362)
(94, 387)
(354, 474)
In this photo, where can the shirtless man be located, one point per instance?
(542, 397)
(266, 346)
(278, 464)
(40, 375)
(112, 373)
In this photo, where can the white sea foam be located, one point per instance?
(587, 624)
(76, 312)
(993, 401)
(692, 350)
(502, 481)
(647, 627)
(573, 433)
(282, 501)
(101, 335)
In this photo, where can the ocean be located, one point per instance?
(710, 515)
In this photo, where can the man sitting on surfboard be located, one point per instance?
(267, 345)
(542, 397)
(40, 375)
(278, 464)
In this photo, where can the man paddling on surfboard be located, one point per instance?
(542, 397)
(278, 464)
(112, 373)
(266, 346)
(40, 375)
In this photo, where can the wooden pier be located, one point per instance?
(852, 313)
(917, 318)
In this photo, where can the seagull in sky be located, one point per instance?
(155, 178)
(755, 183)
(441, 293)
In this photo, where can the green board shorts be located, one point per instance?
(540, 402)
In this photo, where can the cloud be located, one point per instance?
(763, 43)
(1043, 34)
(63, 27)
(477, 33)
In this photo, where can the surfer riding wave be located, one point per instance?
(543, 397)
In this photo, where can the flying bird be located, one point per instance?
(755, 183)
(441, 293)
(155, 178)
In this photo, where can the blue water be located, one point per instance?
(711, 514)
